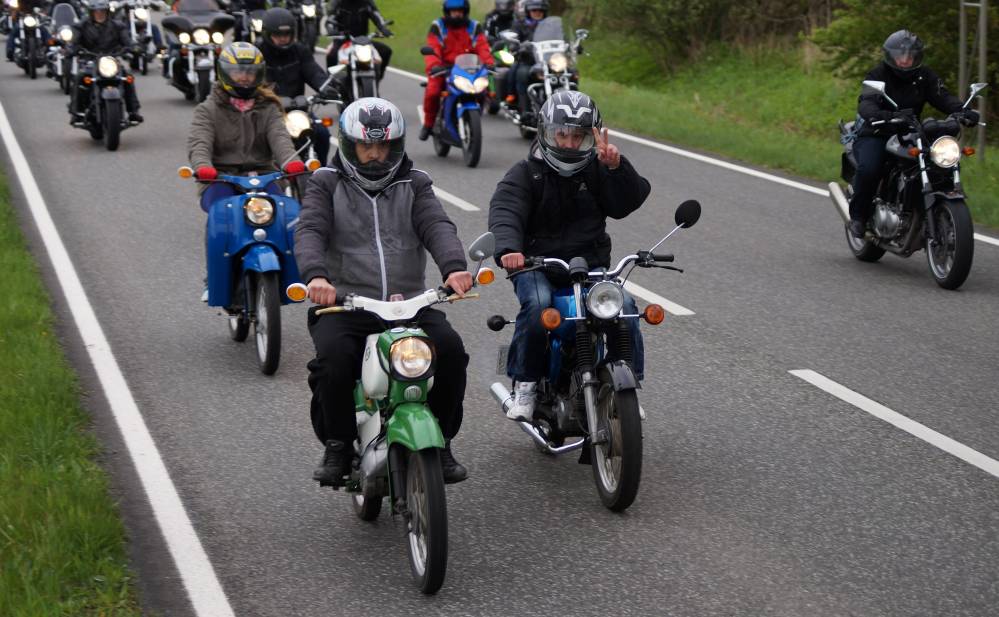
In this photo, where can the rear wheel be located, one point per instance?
(471, 147)
(950, 256)
(112, 124)
(617, 463)
(239, 327)
(862, 249)
(427, 525)
(267, 325)
(440, 147)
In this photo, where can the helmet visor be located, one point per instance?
(567, 139)
(905, 58)
(373, 158)
(245, 77)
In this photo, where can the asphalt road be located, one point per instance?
(761, 495)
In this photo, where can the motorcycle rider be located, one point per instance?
(341, 249)
(519, 74)
(450, 36)
(99, 34)
(351, 17)
(911, 85)
(291, 65)
(25, 7)
(555, 203)
(239, 32)
(499, 19)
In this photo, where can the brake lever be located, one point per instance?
(680, 270)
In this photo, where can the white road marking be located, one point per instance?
(711, 161)
(654, 298)
(948, 445)
(200, 581)
(455, 200)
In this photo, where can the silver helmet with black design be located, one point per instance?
(372, 121)
(565, 131)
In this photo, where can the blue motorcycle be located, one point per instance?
(459, 121)
(249, 247)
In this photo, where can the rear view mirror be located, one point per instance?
(975, 89)
(688, 213)
(878, 87)
(509, 35)
(483, 247)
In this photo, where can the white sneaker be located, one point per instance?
(522, 409)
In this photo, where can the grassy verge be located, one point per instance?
(770, 107)
(62, 544)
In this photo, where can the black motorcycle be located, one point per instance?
(307, 13)
(60, 63)
(920, 202)
(100, 92)
(198, 31)
(30, 48)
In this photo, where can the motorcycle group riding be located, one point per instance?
(288, 222)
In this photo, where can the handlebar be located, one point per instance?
(642, 259)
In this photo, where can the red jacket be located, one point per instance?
(449, 43)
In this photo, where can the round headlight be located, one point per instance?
(259, 211)
(30, 21)
(297, 122)
(604, 300)
(12, 4)
(66, 34)
(184, 38)
(411, 357)
(945, 152)
(481, 84)
(141, 13)
(506, 57)
(201, 37)
(363, 53)
(558, 63)
(258, 25)
(309, 10)
(107, 66)
(218, 38)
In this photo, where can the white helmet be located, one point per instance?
(372, 120)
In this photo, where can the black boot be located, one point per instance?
(857, 228)
(134, 116)
(335, 464)
(453, 471)
(425, 132)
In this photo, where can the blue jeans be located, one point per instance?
(870, 154)
(526, 360)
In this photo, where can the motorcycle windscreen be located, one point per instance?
(62, 15)
(549, 29)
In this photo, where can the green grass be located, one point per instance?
(766, 106)
(62, 544)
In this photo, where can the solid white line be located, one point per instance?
(987, 239)
(948, 445)
(199, 577)
(454, 199)
(654, 298)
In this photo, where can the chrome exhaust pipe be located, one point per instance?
(505, 399)
(839, 200)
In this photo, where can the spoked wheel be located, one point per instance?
(427, 526)
(267, 325)
(471, 137)
(617, 463)
(950, 256)
(239, 327)
(112, 124)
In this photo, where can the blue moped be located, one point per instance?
(459, 121)
(249, 249)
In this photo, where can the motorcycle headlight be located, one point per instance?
(309, 10)
(480, 84)
(66, 34)
(604, 300)
(506, 58)
(218, 38)
(184, 38)
(297, 122)
(201, 37)
(945, 152)
(363, 53)
(141, 13)
(558, 63)
(259, 211)
(12, 4)
(463, 84)
(411, 357)
(107, 67)
(257, 24)
(30, 21)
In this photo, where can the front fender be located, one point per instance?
(619, 374)
(465, 106)
(413, 426)
(261, 258)
(933, 198)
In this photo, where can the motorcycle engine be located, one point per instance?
(887, 222)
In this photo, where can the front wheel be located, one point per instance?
(267, 325)
(366, 88)
(471, 139)
(949, 255)
(29, 54)
(310, 34)
(65, 80)
(204, 86)
(427, 525)
(112, 124)
(617, 463)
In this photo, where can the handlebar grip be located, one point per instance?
(664, 257)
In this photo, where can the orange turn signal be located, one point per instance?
(313, 164)
(654, 314)
(185, 172)
(327, 122)
(297, 292)
(550, 319)
(130, 79)
(486, 276)
(88, 80)
(913, 151)
(510, 98)
(968, 151)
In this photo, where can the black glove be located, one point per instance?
(882, 115)
(970, 117)
(385, 31)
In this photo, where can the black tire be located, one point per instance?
(368, 506)
(950, 260)
(66, 80)
(239, 327)
(310, 32)
(494, 105)
(525, 132)
(267, 325)
(29, 57)
(204, 86)
(96, 131)
(862, 249)
(112, 124)
(426, 533)
(440, 147)
(617, 464)
(471, 149)
(366, 87)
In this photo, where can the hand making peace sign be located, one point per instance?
(607, 153)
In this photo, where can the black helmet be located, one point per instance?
(504, 7)
(279, 21)
(903, 52)
(536, 5)
(455, 5)
(372, 120)
(565, 131)
(99, 5)
(241, 70)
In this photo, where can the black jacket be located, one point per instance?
(101, 38)
(290, 69)
(539, 213)
(495, 23)
(911, 92)
(352, 16)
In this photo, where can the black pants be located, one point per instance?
(334, 372)
(870, 154)
(81, 97)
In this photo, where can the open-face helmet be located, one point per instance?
(372, 120)
(565, 131)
